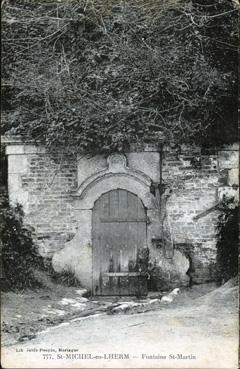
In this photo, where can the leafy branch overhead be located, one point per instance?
(98, 75)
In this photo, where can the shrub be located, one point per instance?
(19, 253)
(227, 245)
(65, 278)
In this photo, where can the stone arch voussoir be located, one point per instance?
(114, 181)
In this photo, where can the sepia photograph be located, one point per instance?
(119, 203)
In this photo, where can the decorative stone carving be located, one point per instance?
(116, 175)
(117, 163)
(110, 182)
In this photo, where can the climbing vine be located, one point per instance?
(97, 75)
(227, 245)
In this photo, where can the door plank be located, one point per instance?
(113, 204)
(119, 230)
(123, 205)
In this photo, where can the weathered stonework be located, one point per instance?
(43, 185)
(58, 193)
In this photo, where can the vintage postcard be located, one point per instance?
(119, 184)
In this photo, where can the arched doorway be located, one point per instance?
(119, 231)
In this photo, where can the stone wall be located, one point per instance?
(51, 189)
(43, 185)
(198, 180)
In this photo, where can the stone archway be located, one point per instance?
(116, 175)
(77, 254)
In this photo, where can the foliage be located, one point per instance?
(98, 75)
(65, 278)
(19, 255)
(227, 246)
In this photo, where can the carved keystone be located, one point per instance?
(117, 163)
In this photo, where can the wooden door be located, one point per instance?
(119, 232)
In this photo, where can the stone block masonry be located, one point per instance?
(58, 191)
(43, 185)
(197, 179)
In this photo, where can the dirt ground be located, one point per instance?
(200, 324)
(24, 314)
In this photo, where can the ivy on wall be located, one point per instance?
(227, 245)
(97, 75)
